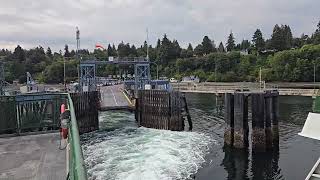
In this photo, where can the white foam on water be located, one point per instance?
(142, 153)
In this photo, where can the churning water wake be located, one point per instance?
(121, 150)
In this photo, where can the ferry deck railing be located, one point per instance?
(40, 113)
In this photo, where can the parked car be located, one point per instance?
(173, 80)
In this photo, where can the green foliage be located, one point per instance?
(207, 45)
(288, 65)
(111, 51)
(316, 35)
(281, 38)
(230, 43)
(221, 48)
(66, 51)
(245, 44)
(198, 50)
(281, 58)
(258, 40)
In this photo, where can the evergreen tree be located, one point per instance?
(230, 43)
(277, 39)
(111, 51)
(245, 44)
(72, 53)
(49, 53)
(281, 37)
(237, 47)
(189, 52)
(288, 36)
(133, 51)
(258, 40)
(165, 52)
(114, 50)
(176, 49)
(221, 48)
(158, 44)
(316, 35)
(145, 47)
(19, 54)
(298, 42)
(183, 53)
(123, 49)
(190, 48)
(207, 46)
(66, 51)
(198, 50)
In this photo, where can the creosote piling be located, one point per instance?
(265, 130)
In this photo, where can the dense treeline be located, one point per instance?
(281, 58)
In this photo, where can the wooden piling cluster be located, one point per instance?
(86, 105)
(160, 109)
(265, 128)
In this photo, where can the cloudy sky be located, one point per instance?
(52, 22)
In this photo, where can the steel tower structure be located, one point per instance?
(141, 71)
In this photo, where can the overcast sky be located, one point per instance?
(52, 22)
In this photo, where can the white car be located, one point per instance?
(173, 80)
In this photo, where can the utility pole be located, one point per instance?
(78, 40)
(260, 78)
(77, 51)
(314, 76)
(215, 69)
(64, 73)
(147, 44)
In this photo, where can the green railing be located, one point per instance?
(77, 169)
(30, 112)
(41, 112)
(316, 104)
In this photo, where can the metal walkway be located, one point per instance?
(112, 98)
(32, 157)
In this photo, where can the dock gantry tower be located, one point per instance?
(141, 71)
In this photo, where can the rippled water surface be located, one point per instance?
(121, 150)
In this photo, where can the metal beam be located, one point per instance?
(117, 60)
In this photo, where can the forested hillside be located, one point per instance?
(281, 58)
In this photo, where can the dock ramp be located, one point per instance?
(311, 129)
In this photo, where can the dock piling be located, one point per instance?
(241, 127)
(265, 126)
(268, 119)
(274, 118)
(229, 118)
(258, 121)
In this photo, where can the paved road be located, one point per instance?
(35, 157)
(112, 97)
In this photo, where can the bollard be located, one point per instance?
(229, 118)
(258, 122)
(240, 120)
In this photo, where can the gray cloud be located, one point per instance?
(52, 23)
